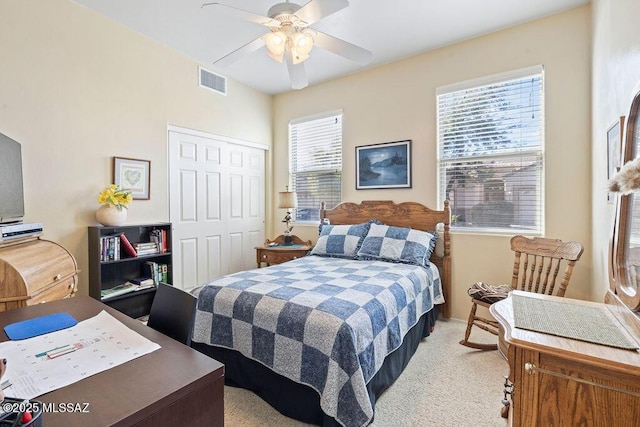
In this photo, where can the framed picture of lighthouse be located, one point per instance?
(386, 165)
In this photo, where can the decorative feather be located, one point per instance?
(627, 180)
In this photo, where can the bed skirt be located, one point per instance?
(299, 401)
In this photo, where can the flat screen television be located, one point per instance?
(11, 189)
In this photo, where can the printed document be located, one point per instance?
(41, 364)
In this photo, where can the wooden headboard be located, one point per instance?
(406, 214)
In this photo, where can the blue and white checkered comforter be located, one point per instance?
(324, 322)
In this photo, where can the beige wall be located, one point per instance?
(77, 89)
(397, 101)
(616, 79)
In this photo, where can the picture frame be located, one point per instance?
(385, 165)
(133, 175)
(614, 150)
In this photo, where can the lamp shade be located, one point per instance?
(275, 42)
(287, 199)
(302, 42)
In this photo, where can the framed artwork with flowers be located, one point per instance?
(133, 175)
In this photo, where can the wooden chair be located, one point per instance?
(172, 313)
(535, 269)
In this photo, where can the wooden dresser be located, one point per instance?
(33, 271)
(564, 382)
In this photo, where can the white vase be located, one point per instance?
(111, 216)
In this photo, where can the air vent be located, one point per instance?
(213, 81)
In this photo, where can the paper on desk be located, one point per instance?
(47, 362)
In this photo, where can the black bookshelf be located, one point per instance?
(112, 267)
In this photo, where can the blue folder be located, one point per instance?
(39, 326)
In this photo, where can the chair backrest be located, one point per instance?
(539, 260)
(172, 313)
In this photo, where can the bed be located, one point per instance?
(321, 337)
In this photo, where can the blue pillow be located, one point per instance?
(398, 244)
(340, 241)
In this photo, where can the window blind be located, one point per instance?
(490, 153)
(315, 162)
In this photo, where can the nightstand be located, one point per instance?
(276, 252)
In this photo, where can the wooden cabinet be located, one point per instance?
(105, 273)
(559, 381)
(33, 271)
(276, 252)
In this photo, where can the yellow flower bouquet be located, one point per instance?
(115, 196)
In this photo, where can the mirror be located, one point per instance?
(626, 277)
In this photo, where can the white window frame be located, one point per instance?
(525, 151)
(334, 166)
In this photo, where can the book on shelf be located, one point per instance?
(144, 286)
(126, 246)
(118, 290)
(113, 247)
(125, 288)
(146, 248)
(146, 245)
(140, 281)
(164, 273)
(159, 236)
(158, 272)
(110, 248)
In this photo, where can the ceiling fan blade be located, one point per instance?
(342, 48)
(248, 48)
(297, 72)
(315, 10)
(244, 14)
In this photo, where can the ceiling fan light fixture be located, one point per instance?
(299, 43)
(276, 42)
(290, 37)
(297, 58)
(276, 56)
(302, 41)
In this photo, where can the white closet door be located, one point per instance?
(216, 205)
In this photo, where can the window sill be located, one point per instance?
(494, 232)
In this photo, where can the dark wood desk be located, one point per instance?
(172, 386)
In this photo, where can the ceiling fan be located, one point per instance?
(290, 38)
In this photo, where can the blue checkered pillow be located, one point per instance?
(398, 244)
(340, 241)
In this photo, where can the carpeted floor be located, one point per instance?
(445, 384)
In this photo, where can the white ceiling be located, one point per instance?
(391, 29)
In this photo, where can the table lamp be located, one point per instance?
(287, 200)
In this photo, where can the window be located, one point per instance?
(315, 163)
(490, 152)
